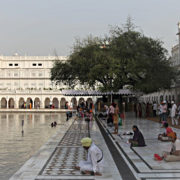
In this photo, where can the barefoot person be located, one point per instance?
(94, 163)
(116, 118)
(168, 135)
(174, 154)
(138, 139)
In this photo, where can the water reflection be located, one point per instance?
(15, 149)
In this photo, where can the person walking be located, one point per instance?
(154, 109)
(111, 114)
(143, 110)
(164, 112)
(67, 112)
(116, 118)
(173, 113)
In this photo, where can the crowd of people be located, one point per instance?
(163, 111)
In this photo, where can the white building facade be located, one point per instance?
(25, 83)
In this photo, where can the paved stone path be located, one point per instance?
(140, 159)
(68, 152)
(56, 159)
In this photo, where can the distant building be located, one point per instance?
(27, 72)
(175, 60)
(25, 83)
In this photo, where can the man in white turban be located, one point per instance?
(94, 163)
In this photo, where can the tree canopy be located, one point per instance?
(124, 58)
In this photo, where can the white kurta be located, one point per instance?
(173, 110)
(92, 164)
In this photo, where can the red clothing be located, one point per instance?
(168, 130)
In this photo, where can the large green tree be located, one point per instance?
(125, 58)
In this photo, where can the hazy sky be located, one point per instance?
(38, 27)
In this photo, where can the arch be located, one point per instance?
(29, 103)
(37, 103)
(3, 103)
(161, 98)
(74, 103)
(11, 103)
(22, 103)
(55, 103)
(166, 98)
(62, 103)
(152, 99)
(81, 100)
(47, 103)
(82, 103)
(169, 98)
(89, 103)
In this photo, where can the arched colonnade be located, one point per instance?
(45, 102)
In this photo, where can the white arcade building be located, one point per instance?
(25, 80)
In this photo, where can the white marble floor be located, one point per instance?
(140, 159)
(56, 159)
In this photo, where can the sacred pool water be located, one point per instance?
(17, 147)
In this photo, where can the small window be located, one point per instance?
(33, 74)
(10, 64)
(15, 64)
(39, 64)
(34, 64)
(40, 74)
(16, 74)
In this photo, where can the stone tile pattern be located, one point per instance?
(68, 152)
(64, 160)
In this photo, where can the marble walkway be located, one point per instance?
(57, 158)
(140, 159)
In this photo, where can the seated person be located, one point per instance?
(174, 154)
(168, 135)
(94, 163)
(138, 139)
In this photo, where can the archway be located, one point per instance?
(29, 103)
(74, 103)
(89, 103)
(161, 98)
(47, 103)
(81, 100)
(21, 103)
(62, 103)
(11, 103)
(169, 98)
(55, 103)
(37, 103)
(82, 103)
(3, 103)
